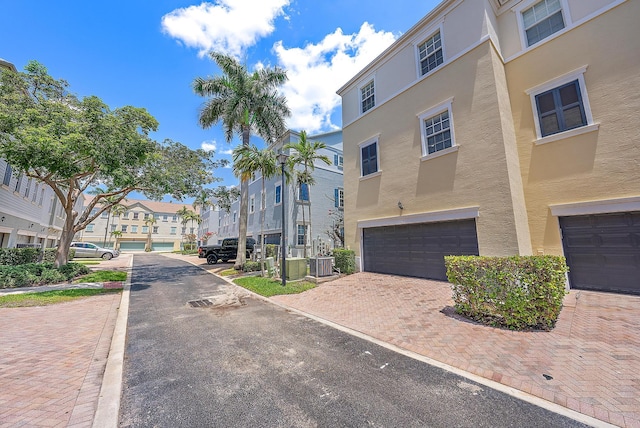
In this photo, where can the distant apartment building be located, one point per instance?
(168, 232)
(500, 127)
(326, 197)
(30, 213)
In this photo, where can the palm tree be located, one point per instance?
(244, 102)
(248, 160)
(117, 234)
(116, 211)
(112, 200)
(306, 153)
(203, 200)
(149, 222)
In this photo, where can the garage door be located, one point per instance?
(603, 251)
(417, 249)
(162, 246)
(132, 246)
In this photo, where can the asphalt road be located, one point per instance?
(257, 365)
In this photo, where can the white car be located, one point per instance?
(87, 249)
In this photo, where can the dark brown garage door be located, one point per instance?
(603, 251)
(417, 249)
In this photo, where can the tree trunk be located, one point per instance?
(106, 229)
(66, 238)
(262, 249)
(244, 202)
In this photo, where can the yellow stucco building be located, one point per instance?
(500, 127)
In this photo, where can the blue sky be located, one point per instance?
(147, 53)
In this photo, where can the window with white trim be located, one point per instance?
(368, 96)
(278, 194)
(369, 158)
(134, 229)
(90, 227)
(301, 232)
(136, 215)
(338, 160)
(430, 54)
(338, 195)
(303, 192)
(561, 106)
(252, 204)
(8, 172)
(437, 129)
(542, 20)
(145, 229)
(235, 217)
(114, 227)
(124, 228)
(173, 230)
(155, 229)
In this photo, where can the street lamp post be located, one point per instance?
(282, 159)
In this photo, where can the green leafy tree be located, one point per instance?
(247, 161)
(114, 201)
(306, 153)
(74, 144)
(226, 196)
(116, 211)
(117, 235)
(245, 103)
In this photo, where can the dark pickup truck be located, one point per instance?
(226, 251)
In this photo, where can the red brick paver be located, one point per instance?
(592, 356)
(52, 359)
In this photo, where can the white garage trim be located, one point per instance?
(596, 207)
(430, 217)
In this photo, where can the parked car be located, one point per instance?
(87, 249)
(228, 250)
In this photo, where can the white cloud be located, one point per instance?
(228, 26)
(227, 152)
(209, 146)
(317, 71)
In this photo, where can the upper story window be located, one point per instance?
(136, 215)
(146, 216)
(174, 218)
(252, 204)
(134, 229)
(145, 229)
(303, 192)
(278, 198)
(437, 130)
(165, 217)
(235, 217)
(35, 192)
(561, 107)
(7, 175)
(104, 214)
(125, 215)
(369, 158)
(18, 183)
(542, 20)
(338, 160)
(430, 54)
(155, 229)
(173, 230)
(338, 197)
(124, 228)
(113, 227)
(90, 227)
(368, 96)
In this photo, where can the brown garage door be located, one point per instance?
(603, 251)
(417, 249)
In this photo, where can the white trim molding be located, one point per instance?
(596, 207)
(519, 9)
(440, 108)
(429, 217)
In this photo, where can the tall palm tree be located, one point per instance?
(248, 160)
(149, 221)
(245, 103)
(117, 234)
(116, 211)
(306, 153)
(183, 213)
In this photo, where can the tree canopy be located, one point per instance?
(74, 144)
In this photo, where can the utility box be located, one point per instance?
(296, 268)
(321, 266)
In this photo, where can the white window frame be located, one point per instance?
(578, 75)
(369, 81)
(235, 217)
(525, 5)
(423, 37)
(340, 197)
(90, 227)
(123, 228)
(145, 229)
(433, 111)
(252, 204)
(275, 193)
(155, 230)
(298, 235)
(174, 230)
(374, 140)
(134, 228)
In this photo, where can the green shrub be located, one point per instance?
(30, 274)
(251, 266)
(71, 270)
(52, 276)
(19, 256)
(270, 250)
(345, 260)
(519, 292)
(15, 276)
(49, 254)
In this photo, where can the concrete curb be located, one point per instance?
(540, 402)
(108, 408)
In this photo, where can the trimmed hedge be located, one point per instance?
(30, 274)
(22, 256)
(250, 266)
(345, 260)
(519, 292)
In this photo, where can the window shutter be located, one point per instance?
(336, 197)
(335, 159)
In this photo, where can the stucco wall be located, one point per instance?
(600, 165)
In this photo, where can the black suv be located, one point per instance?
(228, 250)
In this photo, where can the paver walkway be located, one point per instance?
(591, 358)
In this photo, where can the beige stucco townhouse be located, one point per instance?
(500, 127)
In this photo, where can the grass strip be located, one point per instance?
(50, 297)
(267, 287)
(102, 276)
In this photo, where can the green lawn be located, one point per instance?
(49, 297)
(102, 276)
(268, 287)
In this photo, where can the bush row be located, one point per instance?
(345, 260)
(30, 274)
(21, 256)
(519, 292)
